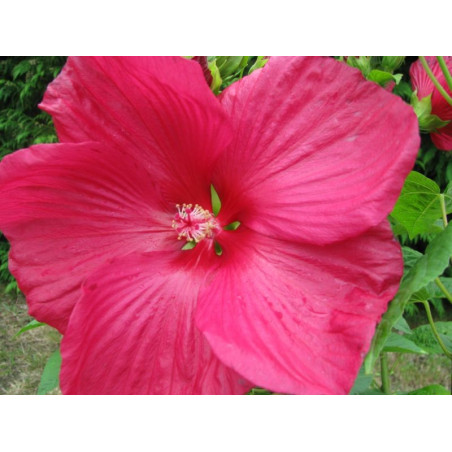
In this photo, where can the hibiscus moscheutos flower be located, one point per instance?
(307, 156)
(441, 129)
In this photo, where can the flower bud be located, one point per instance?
(428, 122)
(391, 63)
(229, 65)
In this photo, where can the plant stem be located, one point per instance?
(385, 384)
(434, 330)
(445, 70)
(435, 80)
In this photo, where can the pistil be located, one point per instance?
(193, 223)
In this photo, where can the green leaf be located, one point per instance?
(428, 122)
(402, 325)
(449, 172)
(420, 296)
(403, 89)
(448, 196)
(29, 326)
(423, 336)
(259, 63)
(401, 344)
(380, 77)
(50, 376)
(362, 383)
(21, 68)
(418, 206)
(410, 257)
(435, 291)
(431, 390)
(215, 200)
(426, 269)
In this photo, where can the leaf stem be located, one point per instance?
(385, 383)
(443, 289)
(445, 69)
(443, 209)
(435, 80)
(434, 330)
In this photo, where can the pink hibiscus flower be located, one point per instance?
(421, 82)
(304, 153)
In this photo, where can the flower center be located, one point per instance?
(194, 223)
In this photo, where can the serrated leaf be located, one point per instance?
(426, 269)
(50, 378)
(29, 326)
(402, 325)
(431, 390)
(397, 343)
(418, 206)
(410, 257)
(423, 336)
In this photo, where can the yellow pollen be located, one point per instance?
(193, 223)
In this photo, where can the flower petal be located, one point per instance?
(443, 138)
(319, 154)
(133, 332)
(160, 107)
(299, 318)
(422, 83)
(68, 208)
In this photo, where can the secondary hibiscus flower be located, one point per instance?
(423, 85)
(304, 153)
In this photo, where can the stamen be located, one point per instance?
(193, 223)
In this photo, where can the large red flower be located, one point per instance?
(422, 83)
(307, 155)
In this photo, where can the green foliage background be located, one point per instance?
(23, 81)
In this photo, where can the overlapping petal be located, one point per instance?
(299, 318)
(442, 139)
(68, 208)
(159, 107)
(133, 332)
(319, 154)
